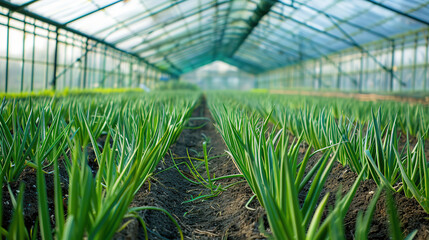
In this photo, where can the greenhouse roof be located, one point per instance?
(253, 35)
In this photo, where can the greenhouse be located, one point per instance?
(214, 119)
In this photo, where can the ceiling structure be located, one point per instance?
(253, 35)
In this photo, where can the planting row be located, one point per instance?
(368, 141)
(108, 144)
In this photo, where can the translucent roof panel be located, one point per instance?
(255, 35)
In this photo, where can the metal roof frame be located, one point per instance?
(235, 30)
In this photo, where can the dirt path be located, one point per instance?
(221, 217)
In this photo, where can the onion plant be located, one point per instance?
(271, 167)
(138, 128)
(415, 174)
(22, 144)
(97, 205)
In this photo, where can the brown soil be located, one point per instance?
(411, 214)
(221, 217)
(28, 178)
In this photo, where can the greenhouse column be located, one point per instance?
(54, 77)
(339, 73)
(402, 64)
(7, 53)
(33, 55)
(319, 84)
(23, 55)
(103, 79)
(361, 72)
(392, 65)
(85, 66)
(47, 61)
(413, 80)
(426, 63)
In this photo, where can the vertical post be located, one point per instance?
(402, 63)
(131, 74)
(314, 74)
(85, 66)
(293, 75)
(72, 66)
(7, 53)
(33, 55)
(148, 70)
(23, 54)
(339, 73)
(426, 63)
(95, 66)
(103, 78)
(47, 61)
(54, 75)
(65, 63)
(145, 74)
(301, 64)
(319, 84)
(413, 83)
(361, 72)
(284, 79)
(118, 73)
(140, 76)
(392, 67)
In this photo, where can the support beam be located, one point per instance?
(222, 34)
(327, 58)
(350, 41)
(399, 12)
(172, 65)
(392, 63)
(96, 10)
(361, 72)
(15, 8)
(389, 70)
(85, 66)
(425, 71)
(22, 6)
(163, 24)
(23, 55)
(261, 10)
(54, 75)
(337, 18)
(136, 18)
(33, 56)
(7, 53)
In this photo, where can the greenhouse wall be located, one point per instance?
(220, 75)
(36, 55)
(399, 64)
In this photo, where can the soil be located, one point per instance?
(411, 214)
(220, 217)
(30, 212)
(224, 216)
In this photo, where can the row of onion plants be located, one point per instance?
(380, 144)
(269, 161)
(127, 133)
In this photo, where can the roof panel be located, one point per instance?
(256, 35)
